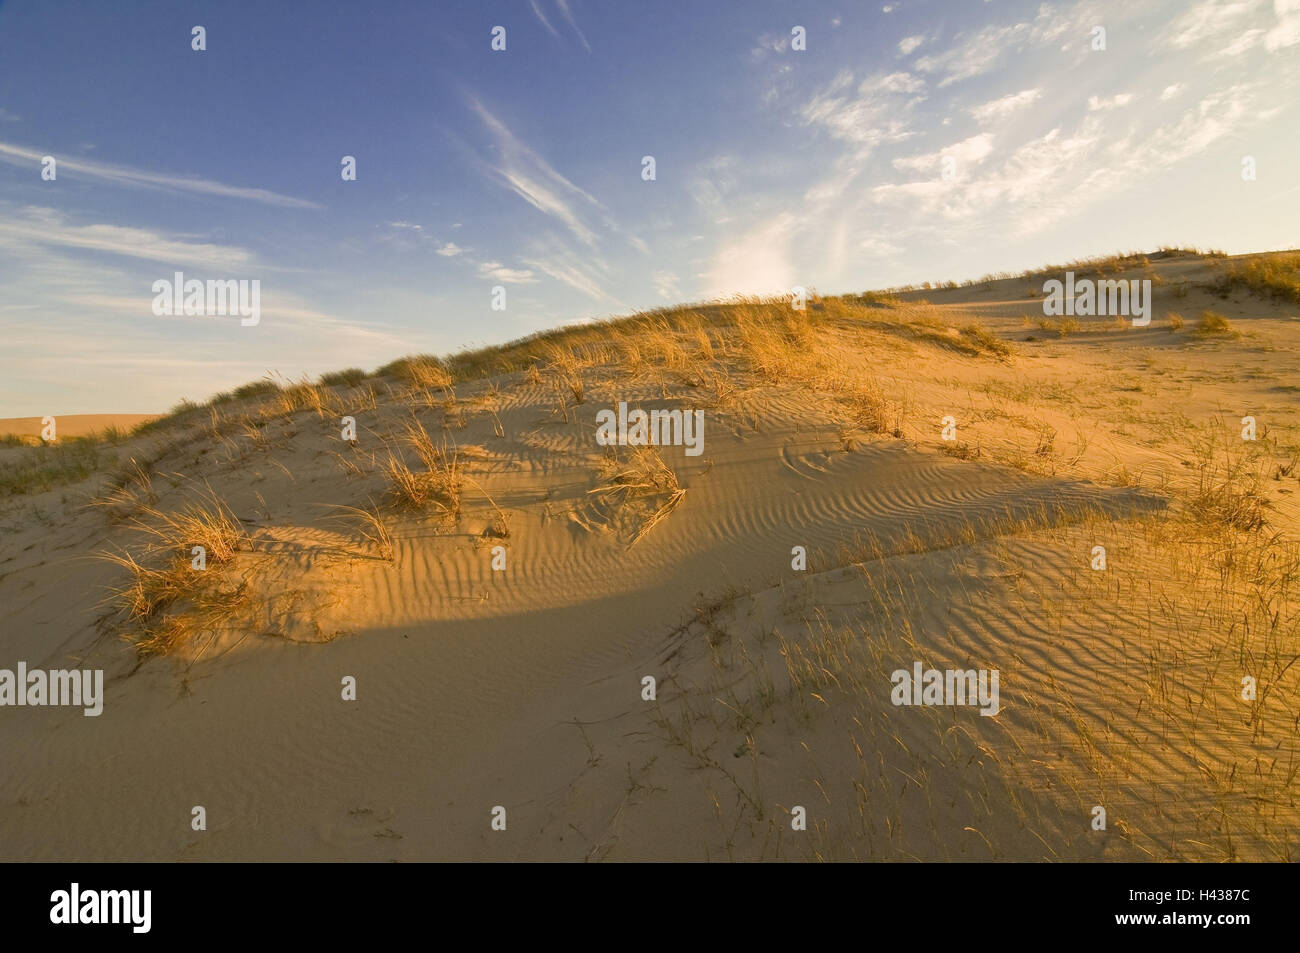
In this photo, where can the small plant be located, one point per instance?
(1214, 324)
(961, 450)
(638, 492)
(437, 485)
(208, 523)
(373, 529)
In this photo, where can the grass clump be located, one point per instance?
(350, 377)
(1213, 324)
(171, 597)
(437, 485)
(1274, 276)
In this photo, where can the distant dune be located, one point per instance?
(72, 425)
(437, 616)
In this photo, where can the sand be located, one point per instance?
(72, 425)
(522, 689)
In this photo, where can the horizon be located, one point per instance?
(523, 169)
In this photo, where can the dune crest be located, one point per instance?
(351, 619)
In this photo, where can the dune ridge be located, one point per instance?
(375, 557)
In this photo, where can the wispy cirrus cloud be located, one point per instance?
(982, 51)
(584, 273)
(537, 12)
(1220, 29)
(1099, 103)
(533, 179)
(568, 15)
(968, 152)
(563, 8)
(496, 271)
(38, 226)
(1096, 158)
(868, 114)
(997, 109)
(142, 178)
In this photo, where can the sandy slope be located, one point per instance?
(522, 688)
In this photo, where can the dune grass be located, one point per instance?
(167, 602)
(41, 467)
(434, 484)
(1271, 276)
(1214, 324)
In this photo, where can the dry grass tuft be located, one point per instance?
(1214, 324)
(638, 492)
(438, 484)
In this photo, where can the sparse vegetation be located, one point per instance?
(1271, 276)
(1214, 324)
(436, 483)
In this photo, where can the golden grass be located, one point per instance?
(637, 492)
(437, 485)
(167, 602)
(1213, 324)
(1275, 276)
(373, 528)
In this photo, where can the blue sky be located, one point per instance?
(774, 167)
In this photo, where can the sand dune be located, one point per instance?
(72, 425)
(522, 687)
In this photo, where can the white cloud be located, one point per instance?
(582, 273)
(979, 54)
(450, 250)
(757, 262)
(49, 227)
(1242, 42)
(568, 15)
(499, 272)
(1170, 92)
(1025, 190)
(1001, 108)
(873, 114)
(1287, 31)
(982, 51)
(666, 286)
(770, 43)
(908, 44)
(1207, 21)
(533, 179)
(1099, 103)
(121, 175)
(968, 152)
(710, 183)
(537, 12)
